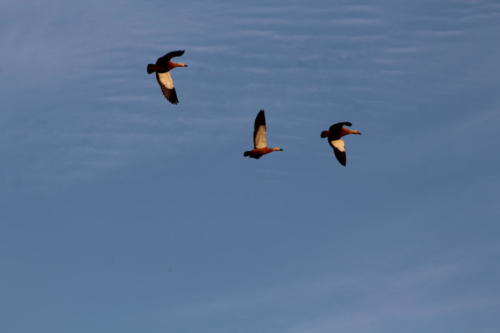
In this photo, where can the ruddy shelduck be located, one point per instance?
(162, 69)
(259, 138)
(334, 135)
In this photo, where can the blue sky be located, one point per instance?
(123, 213)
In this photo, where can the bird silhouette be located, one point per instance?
(334, 135)
(260, 147)
(162, 69)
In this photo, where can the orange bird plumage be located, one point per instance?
(334, 135)
(162, 69)
(260, 147)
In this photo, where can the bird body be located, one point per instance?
(334, 135)
(259, 152)
(162, 69)
(260, 138)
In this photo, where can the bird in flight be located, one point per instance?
(162, 69)
(259, 138)
(334, 135)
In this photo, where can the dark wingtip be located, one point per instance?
(260, 119)
(173, 101)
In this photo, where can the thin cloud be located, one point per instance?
(366, 302)
(440, 33)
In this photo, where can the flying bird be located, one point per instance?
(259, 138)
(334, 135)
(162, 69)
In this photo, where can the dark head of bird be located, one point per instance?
(324, 134)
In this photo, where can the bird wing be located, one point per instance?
(166, 58)
(167, 87)
(259, 131)
(339, 150)
(334, 131)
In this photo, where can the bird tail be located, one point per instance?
(324, 134)
(152, 68)
(247, 153)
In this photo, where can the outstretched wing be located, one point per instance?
(166, 58)
(334, 131)
(167, 87)
(339, 150)
(259, 131)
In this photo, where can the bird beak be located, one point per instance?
(281, 149)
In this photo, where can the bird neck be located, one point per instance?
(172, 64)
(346, 131)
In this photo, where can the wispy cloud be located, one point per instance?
(370, 302)
(316, 57)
